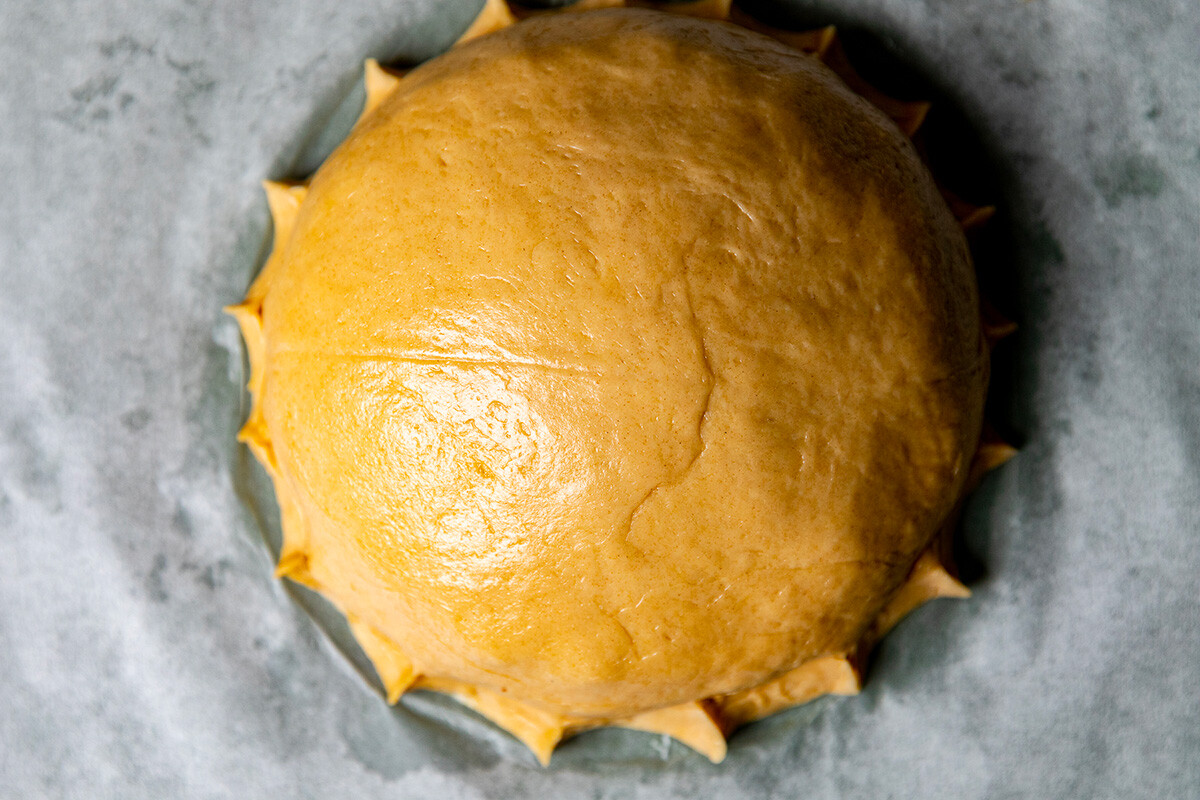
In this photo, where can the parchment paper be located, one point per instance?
(145, 649)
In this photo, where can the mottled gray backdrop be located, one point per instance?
(145, 649)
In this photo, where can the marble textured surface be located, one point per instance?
(145, 649)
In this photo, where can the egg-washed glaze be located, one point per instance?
(618, 368)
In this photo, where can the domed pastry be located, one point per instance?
(620, 368)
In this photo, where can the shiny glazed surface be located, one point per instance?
(617, 362)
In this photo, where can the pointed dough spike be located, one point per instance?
(241, 310)
(810, 680)
(284, 200)
(995, 325)
(708, 9)
(248, 315)
(291, 563)
(825, 37)
(494, 16)
(295, 538)
(978, 216)
(539, 730)
(394, 669)
(992, 452)
(254, 435)
(928, 580)
(814, 42)
(696, 724)
(969, 215)
(379, 83)
(908, 115)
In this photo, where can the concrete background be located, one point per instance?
(145, 649)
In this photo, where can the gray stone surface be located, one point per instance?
(145, 649)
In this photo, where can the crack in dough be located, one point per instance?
(466, 360)
(710, 385)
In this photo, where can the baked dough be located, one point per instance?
(617, 369)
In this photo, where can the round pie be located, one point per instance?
(619, 368)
